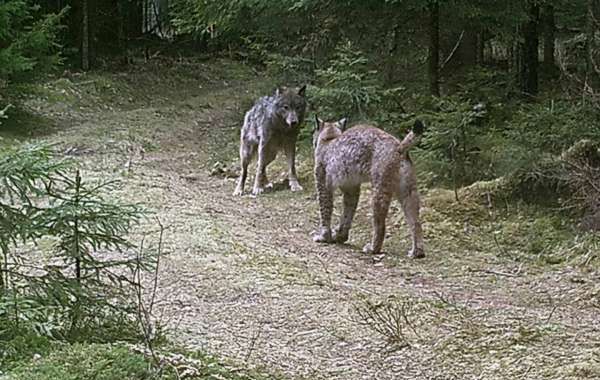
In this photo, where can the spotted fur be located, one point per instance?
(345, 159)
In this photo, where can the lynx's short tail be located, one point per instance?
(412, 137)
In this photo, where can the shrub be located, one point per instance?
(347, 87)
(457, 146)
(68, 289)
(28, 42)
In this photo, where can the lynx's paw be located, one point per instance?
(295, 186)
(368, 249)
(323, 236)
(416, 253)
(340, 236)
(256, 190)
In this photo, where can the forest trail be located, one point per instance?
(241, 277)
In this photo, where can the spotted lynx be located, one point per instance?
(345, 159)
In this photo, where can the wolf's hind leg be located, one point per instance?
(246, 152)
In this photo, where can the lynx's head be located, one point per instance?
(290, 106)
(326, 131)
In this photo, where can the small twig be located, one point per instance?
(489, 271)
(447, 60)
(551, 313)
(158, 255)
(253, 342)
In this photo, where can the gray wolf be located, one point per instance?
(345, 159)
(271, 125)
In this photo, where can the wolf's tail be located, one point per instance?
(412, 137)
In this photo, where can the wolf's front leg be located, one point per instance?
(290, 152)
(261, 168)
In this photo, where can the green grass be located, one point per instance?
(42, 359)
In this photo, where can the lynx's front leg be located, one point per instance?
(290, 152)
(325, 196)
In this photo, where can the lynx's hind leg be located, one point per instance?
(411, 205)
(381, 204)
(351, 197)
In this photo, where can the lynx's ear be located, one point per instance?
(302, 91)
(318, 123)
(342, 124)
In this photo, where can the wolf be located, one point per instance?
(345, 159)
(271, 125)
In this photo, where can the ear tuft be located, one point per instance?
(418, 128)
(302, 91)
(342, 123)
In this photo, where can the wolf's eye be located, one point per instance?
(286, 107)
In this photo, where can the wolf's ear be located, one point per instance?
(302, 91)
(342, 124)
(280, 90)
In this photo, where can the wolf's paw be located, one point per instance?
(238, 191)
(416, 253)
(340, 237)
(295, 186)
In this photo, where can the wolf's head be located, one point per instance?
(290, 106)
(324, 131)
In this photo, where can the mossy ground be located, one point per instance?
(507, 290)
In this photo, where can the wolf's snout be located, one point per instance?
(292, 121)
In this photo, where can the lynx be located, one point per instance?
(345, 159)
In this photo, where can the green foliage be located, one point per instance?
(348, 87)
(455, 145)
(83, 361)
(213, 19)
(64, 288)
(552, 127)
(29, 41)
(79, 362)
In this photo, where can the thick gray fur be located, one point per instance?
(271, 125)
(345, 159)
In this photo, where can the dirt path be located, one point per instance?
(243, 279)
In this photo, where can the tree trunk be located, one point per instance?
(391, 59)
(549, 27)
(433, 59)
(528, 73)
(85, 36)
(592, 73)
(481, 47)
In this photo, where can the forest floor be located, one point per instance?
(241, 278)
